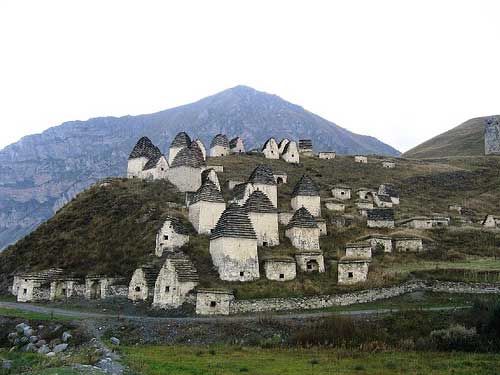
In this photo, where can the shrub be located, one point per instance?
(456, 337)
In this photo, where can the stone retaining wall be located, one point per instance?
(364, 296)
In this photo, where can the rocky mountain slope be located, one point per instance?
(466, 139)
(41, 172)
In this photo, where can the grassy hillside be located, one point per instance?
(111, 229)
(466, 139)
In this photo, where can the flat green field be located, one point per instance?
(180, 360)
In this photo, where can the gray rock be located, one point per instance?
(43, 349)
(33, 339)
(6, 364)
(66, 336)
(23, 340)
(28, 331)
(51, 354)
(20, 327)
(40, 343)
(12, 336)
(115, 341)
(41, 326)
(60, 348)
(31, 348)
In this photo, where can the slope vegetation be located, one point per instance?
(466, 139)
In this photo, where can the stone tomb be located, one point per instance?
(213, 301)
(352, 271)
(306, 194)
(310, 261)
(280, 268)
(172, 235)
(303, 231)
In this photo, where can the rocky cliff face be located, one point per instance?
(42, 172)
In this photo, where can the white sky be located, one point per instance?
(402, 71)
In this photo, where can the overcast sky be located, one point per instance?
(402, 71)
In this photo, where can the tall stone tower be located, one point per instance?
(492, 136)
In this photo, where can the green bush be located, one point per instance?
(456, 337)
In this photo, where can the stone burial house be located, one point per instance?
(213, 301)
(303, 231)
(146, 161)
(219, 146)
(142, 283)
(327, 155)
(306, 147)
(382, 201)
(352, 270)
(282, 144)
(358, 250)
(176, 279)
(102, 287)
(361, 159)
(391, 191)
(280, 268)
(290, 153)
(310, 261)
(185, 170)
(379, 242)
(341, 192)
(270, 149)
(262, 179)
(172, 235)
(264, 218)
(407, 243)
(306, 194)
(380, 218)
(491, 221)
(206, 207)
(180, 141)
(233, 246)
(210, 174)
(236, 146)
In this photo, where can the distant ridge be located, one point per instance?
(466, 139)
(41, 172)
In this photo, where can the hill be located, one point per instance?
(111, 227)
(41, 172)
(467, 139)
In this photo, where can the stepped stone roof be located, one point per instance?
(219, 140)
(181, 140)
(234, 222)
(259, 202)
(302, 218)
(262, 175)
(186, 157)
(45, 275)
(385, 214)
(305, 186)
(389, 189)
(184, 267)
(150, 272)
(357, 244)
(283, 141)
(145, 148)
(305, 144)
(288, 145)
(384, 198)
(177, 225)
(206, 173)
(195, 147)
(151, 163)
(208, 192)
(267, 142)
(239, 190)
(234, 142)
(341, 186)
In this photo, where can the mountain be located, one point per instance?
(42, 172)
(466, 139)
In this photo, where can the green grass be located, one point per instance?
(16, 313)
(180, 360)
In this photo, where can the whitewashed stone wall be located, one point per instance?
(335, 206)
(352, 272)
(327, 155)
(270, 190)
(271, 151)
(285, 217)
(408, 245)
(217, 151)
(134, 167)
(172, 153)
(236, 259)
(213, 302)
(384, 243)
(291, 155)
(379, 224)
(204, 215)
(311, 203)
(358, 252)
(364, 296)
(388, 164)
(361, 159)
(364, 205)
(280, 270)
(282, 145)
(31, 290)
(62, 289)
(265, 226)
(310, 262)
(169, 291)
(138, 289)
(185, 178)
(304, 238)
(322, 227)
(341, 193)
(239, 148)
(167, 239)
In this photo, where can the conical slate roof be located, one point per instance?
(259, 202)
(195, 147)
(262, 175)
(145, 148)
(305, 186)
(284, 141)
(234, 222)
(219, 140)
(151, 163)
(267, 142)
(302, 218)
(208, 192)
(181, 140)
(239, 190)
(184, 267)
(186, 157)
(233, 142)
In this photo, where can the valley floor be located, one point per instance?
(180, 360)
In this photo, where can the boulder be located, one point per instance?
(33, 339)
(40, 343)
(43, 349)
(30, 348)
(6, 364)
(51, 354)
(20, 327)
(66, 336)
(60, 348)
(114, 341)
(28, 331)
(12, 336)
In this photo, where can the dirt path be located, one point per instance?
(93, 315)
